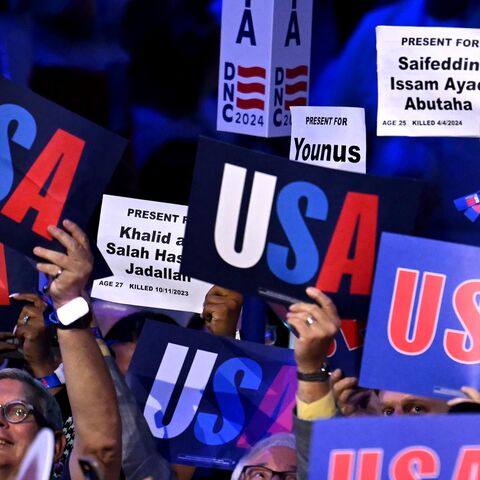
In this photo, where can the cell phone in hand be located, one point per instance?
(90, 468)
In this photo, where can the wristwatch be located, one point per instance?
(72, 311)
(321, 375)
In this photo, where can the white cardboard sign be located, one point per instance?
(332, 137)
(264, 65)
(141, 242)
(37, 462)
(428, 81)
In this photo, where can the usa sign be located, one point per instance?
(53, 165)
(262, 225)
(397, 448)
(208, 399)
(423, 333)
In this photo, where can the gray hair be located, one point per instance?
(37, 395)
(278, 440)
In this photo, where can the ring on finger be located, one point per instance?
(310, 320)
(25, 319)
(60, 271)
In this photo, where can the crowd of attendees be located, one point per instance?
(124, 86)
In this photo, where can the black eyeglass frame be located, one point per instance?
(282, 475)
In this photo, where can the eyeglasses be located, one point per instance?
(16, 411)
(253, 472)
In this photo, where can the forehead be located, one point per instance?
(12, 390)
(387, 396)
(276, 458)
(396, 398)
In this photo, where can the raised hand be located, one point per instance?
(70, 271)
(316, 324)
(221, 311)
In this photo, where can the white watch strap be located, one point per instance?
(72, 311)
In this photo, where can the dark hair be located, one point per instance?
(128, 328)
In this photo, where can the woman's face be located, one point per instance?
(15, 438)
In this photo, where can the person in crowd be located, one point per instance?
(139, 455)
(354, 401)
(26, 408)
(317, 325)
(89, 385)
(35, 342)
(274, 456)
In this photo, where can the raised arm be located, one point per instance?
(316, 325)
(89, 384)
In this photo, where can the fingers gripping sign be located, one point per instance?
(316, 324)
(472, 395)
(351, 399)
(69, 272)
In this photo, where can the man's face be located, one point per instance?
(394, 403)
(14, 438)
(279, 459)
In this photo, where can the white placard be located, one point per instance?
(428, 81)
(264, 65)
(37, 462)
(332, 137)
(141, 242)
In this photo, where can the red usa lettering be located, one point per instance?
(412, 463)
(46, 184)
(4, 289)
(355, 227)
(352, 333)
(413, 336)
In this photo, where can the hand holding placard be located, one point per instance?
(221, 311)
(69, 271)
(317, 325)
